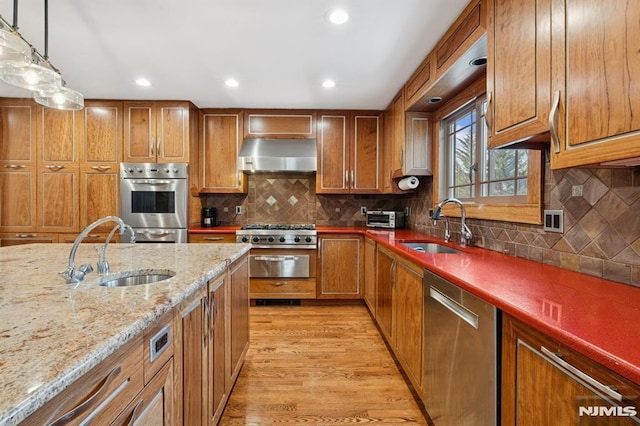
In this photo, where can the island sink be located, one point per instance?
(131, 278)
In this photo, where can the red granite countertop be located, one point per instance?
(596, 317)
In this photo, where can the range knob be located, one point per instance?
(296, 239)
(256, 239)
(245, 239)
(167, 171)
(308, 239)
(130, 170)
(270, 239)
(282, 239)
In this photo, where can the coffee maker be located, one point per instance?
(208, 217)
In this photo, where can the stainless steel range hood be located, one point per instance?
(278, 155)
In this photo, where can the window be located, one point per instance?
(475, 172)
(502, 185)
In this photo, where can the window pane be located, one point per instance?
(523, 163)
(522, 187)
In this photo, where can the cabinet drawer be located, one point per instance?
(101, 394)
(212, 238)
(266, 288)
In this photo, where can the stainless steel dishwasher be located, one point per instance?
(461, 350)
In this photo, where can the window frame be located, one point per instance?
(490, 208)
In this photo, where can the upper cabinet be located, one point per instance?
(451, 64)
(280, 124)
(394, 141)
(518, 70)
(220, 140)
(349, 150)
(157, 131)
(596, 83)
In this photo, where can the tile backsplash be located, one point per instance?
(601, 217)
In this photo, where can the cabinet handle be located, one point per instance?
(158, 146)
(487, 109)
(135, 413)
(552, 121)
(346, 178)
(207, 320)
(54, 167)
(214, 316)
(556, 358)
(152, 146)
(394, 265)
(14, 166)
(213, 238)
(93, 236)
(75, 412)
(101, 168)
(353, 181)
(26, 235)
(278, 283)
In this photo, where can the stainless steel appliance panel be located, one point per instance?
(279, 266)
(461, 350)
(157, 235)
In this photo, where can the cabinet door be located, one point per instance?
(217, 390)
(154, 406)
(538, 389)
(99, 195)
(17, 132)
(364, 177)
(340, 272)
(333, 154)
(221, 138)
(139, 132)
(408, 312)
(416, 156)
(18, 198)
(59, 144)
(212, 238)
(384, 285)
(395, 141)
(58, 200)
(101, 135)
(370, 274)
(280, 124)
(597, 44)
(172, 133)
(193, 363)
(518, 70)
(239, 317)
(15, 239)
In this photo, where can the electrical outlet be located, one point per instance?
(431, 213)
(226, 210)
(407, 211)
(238, 209)
(553, 221)
(363, 210)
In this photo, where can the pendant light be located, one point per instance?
(28, 69)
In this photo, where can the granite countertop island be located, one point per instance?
(51, 333)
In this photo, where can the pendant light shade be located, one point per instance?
(32, 77)
(14, 51)
(60, 98)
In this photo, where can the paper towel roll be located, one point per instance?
(408, 183)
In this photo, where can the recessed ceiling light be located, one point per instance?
(231, 82)
(337, 16)
(479, 61)
(143, 82)
(328, 84)
(434, 100)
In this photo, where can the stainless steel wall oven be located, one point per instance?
(154, 199)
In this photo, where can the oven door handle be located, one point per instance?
(153, 182)
(276, 258)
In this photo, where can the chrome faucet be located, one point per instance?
(103, 264)
(465, 232)
(73, 275)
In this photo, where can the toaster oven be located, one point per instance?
(385, 219)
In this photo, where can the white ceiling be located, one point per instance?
(280, 51)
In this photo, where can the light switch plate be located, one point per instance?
(553, 221)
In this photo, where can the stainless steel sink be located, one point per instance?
(425, 247)
(130, 278)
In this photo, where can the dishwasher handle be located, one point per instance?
(462, 312)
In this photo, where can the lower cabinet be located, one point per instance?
(340, 267)
(370, 274)
(215, 340)
(212, 238)
(18, 238)
(539, 373)
(400, 311)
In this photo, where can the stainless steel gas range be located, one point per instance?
(282, 262)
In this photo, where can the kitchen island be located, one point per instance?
(52, 333)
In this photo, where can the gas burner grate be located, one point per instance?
(279, 226)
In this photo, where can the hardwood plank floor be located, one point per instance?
(313, 365)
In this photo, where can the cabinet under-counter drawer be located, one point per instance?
(101, 394)
(212, 238)
(283, 288)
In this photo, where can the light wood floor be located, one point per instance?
(314, 365)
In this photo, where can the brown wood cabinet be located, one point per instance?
(17, 238)
(100, 134)
(385, 263)
(518, 70)
(596, 78)
(421, 79)
(279, 124)
(18, 160)
(416, 153)
(218, 391)
(221, 138)
(349, 151)
(394, 142)
(545, 382)
(193, 332)
(212, 238)
(369, 272)
(238, 343)
(340, 266)
(58, 180)
(157, 131)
